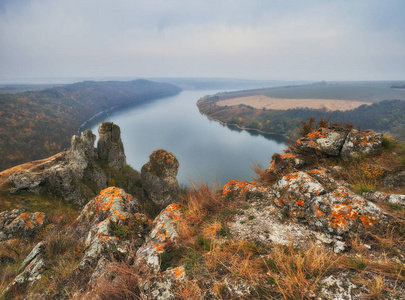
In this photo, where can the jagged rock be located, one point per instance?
(110, 222)
(33, 265)
(34, 254)
(25, 225)
(323, 141)
(64, 175)
(26, 180)
(82, 152)
(361, 142)
(163, 286)
(164, 234)
(109, 146)
(159, 177)
(284, 163)
(163, 237)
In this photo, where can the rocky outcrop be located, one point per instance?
(110, 221)
(109, 146)
(159, 177)
(345, 143)
(22, 225)
(68, 174)
(33, 267)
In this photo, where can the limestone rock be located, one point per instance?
(26, 180)
(66, 174)
(25, 225)
(109, 146)
(282, 164)
(361, 142)
(323, 204)
(159, 177)
(110, 223)
(82, 151)
(324, 141)
(162, 287)
(33, 267)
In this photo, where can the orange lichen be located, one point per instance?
(319, 212)
(243, 185)
(300, 202)
(178, 272)
(341, 213)
(158, 248)
(368, 221)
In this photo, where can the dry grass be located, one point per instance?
(120, 281)
(297, 273)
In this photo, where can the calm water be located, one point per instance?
(205, 149)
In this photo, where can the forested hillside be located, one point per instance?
(34, 125)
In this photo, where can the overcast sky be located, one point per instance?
(257, 39)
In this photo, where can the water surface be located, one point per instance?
(205, 149)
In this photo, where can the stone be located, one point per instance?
(163, 234)
(33, 267)
(74, 173)
(324, 141)
(361, 142)
(106, 224)
(159, 178)
(24, 226)
(110, 148)
(282, 164)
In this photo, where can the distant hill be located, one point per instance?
(35, 125)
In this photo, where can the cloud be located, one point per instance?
(231, 38)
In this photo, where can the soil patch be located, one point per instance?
(260, 101)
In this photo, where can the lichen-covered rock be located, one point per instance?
(163, 287)
(282, 164)
(25, 225)
(159, 177)
(238, 288)
(396, 199)
(340, 287)
(324, 141)
(109, 146)
(322, 203)
(33, 266)
(361, 142)
(110, 222)
(163, 235)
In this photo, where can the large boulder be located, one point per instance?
(109, 223)
(109, 146)
(324, 141)
(22, 225)
(159, 177)
(361, 142)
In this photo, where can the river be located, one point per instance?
(205, 149)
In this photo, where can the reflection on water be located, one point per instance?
(206, 149)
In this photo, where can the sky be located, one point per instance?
(249, 39)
